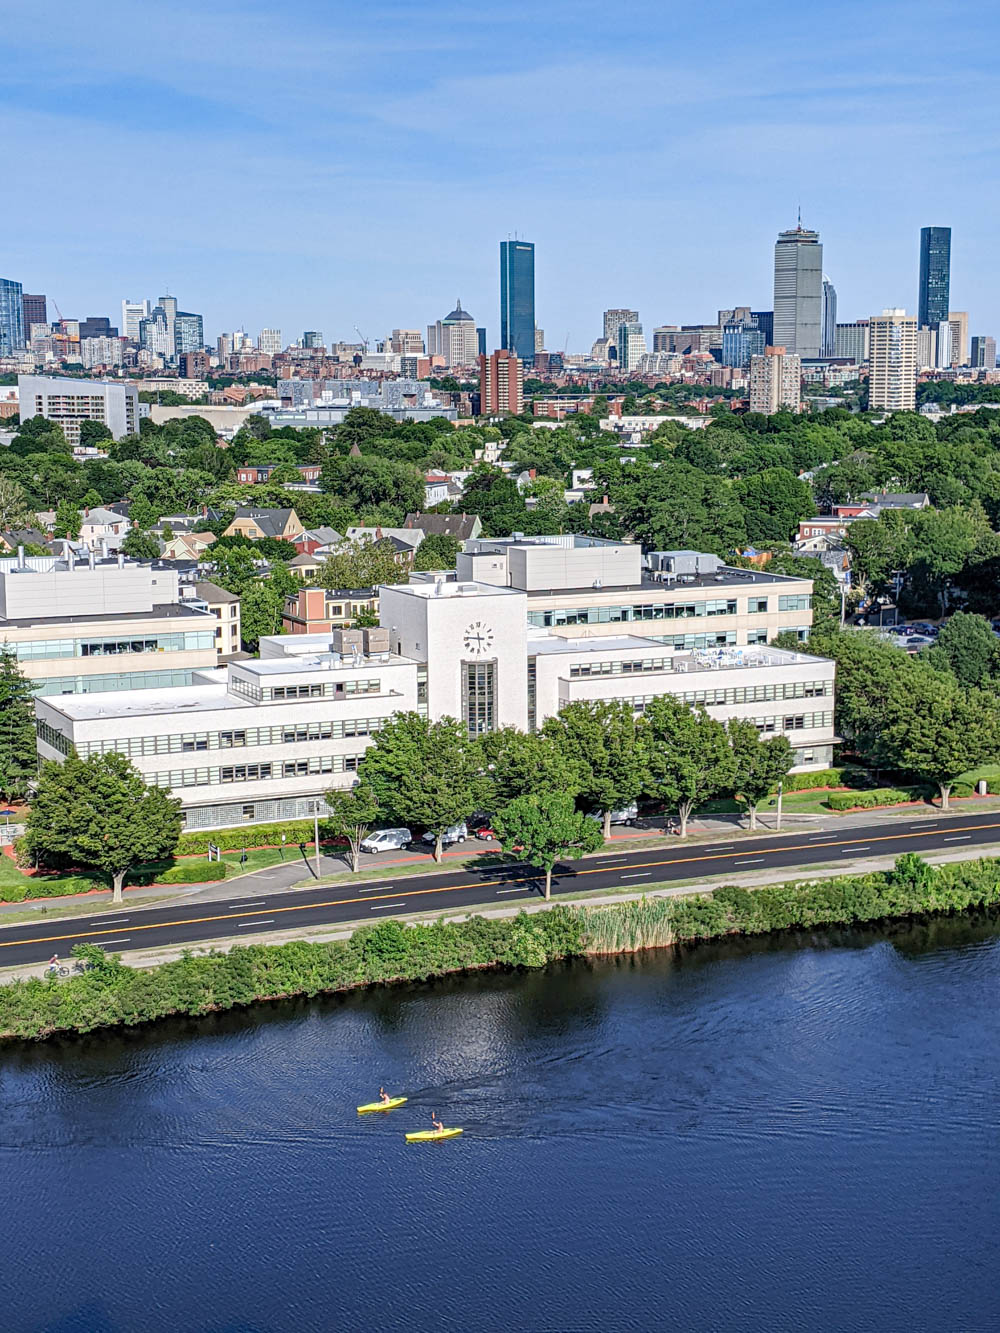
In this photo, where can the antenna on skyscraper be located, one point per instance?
(800, 217)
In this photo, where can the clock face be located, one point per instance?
(478, 638)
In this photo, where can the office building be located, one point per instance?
(851, 341)
(775, 381)
(501, 384)
(517, 299)
(798, 291)
(97, 326)
(893, 362)
(480, 342)
(984, 352)
(155, 335)
(547, 622)
(958, 323)
(631, 345)
(454, 338)
(662, 337)
(269, 342)
(613, 320)
(35, 312)
(11, 317)
(312, 338)
(168, 304)
(189, 333)
(828, 319)
(765, 322)
(69, 401)
(97, 625)
(193, 365)
(741, 340)
(934, 292)
(405, 342)
(132, 313)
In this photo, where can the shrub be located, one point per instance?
(253, 835)
(869, 800)
(192, 872)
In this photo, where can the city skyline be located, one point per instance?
(323, 210)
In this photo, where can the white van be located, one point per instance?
(387, 840)
(456, 833)
(627, 815)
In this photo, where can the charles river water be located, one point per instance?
(779, 1135)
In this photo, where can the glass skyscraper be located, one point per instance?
(11, 317)
(935, 275)
(517, 299)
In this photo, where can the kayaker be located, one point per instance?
(436, 1122)
(384, 1097)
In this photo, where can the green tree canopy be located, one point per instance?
(18, 755)
(437, 551)
(968, 648)
(603, 744)
(99, 813)
(544, 826)
(362, 564)
(937, 730)
(353, 811)
(758, 764)
(689, 759)
(140, 545)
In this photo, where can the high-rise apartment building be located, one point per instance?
(851, 341)
(631, 345)
(68, 402)
(958, 321)
(312, 338)
(828, 340)
(501, 384)
(775, 381)
(100, 351)
(269, 342)
(892, 384)
(984, 352)
(132, 313)
(11, 317)
(798, 291)
(934, 292)
(663, 336)
(741, 339)
(517, 299)
(35, 312)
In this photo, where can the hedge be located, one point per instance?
(193, 872)
(38, 886)
(869, 800)
(252, 835)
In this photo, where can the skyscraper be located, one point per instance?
(11, 317)
(269, 342)
(168, 304)
(517, 299)
(35, 312)
(959, 322)
(312, 338)
(798, 291)
(741, 339)
(631, 345)
(189, 332)
(613, 320)
(829, 321)
(132, 312)
(934, 292)
(892, 361)
(984, 352)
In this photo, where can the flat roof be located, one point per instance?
(623, 643)
(285, 666)
(163, 611)
(724, 578)
(466, 588)
(178, 699)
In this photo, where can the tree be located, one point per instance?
(141, 514)
(369, 480)
(353, 810)
(758, 764)
(689, 760)
(496, 499)
(140, 545)
(542, 827)
(15, 511)
(774, 501)
(523, 762)
(67, 520)
(18, 755)
(426, 773)
(362, 564)
(234, 567)
(968, 648)
(261, 605)
(99, 813)
(605, 743)
(437, 551)
(94, 433)
(939, 731)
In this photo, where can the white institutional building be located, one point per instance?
(527, 627)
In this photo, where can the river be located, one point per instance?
(795, 1135)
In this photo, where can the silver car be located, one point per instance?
(627, 815)
(457, 833)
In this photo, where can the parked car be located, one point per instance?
(457, 833)
(627, 815)
(485, 833)
(922, 627)
(387, 840)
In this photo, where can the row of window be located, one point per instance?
(620, 668)
(329, 689)
(193, 742)
(765, 725)
(119, 680)
(41, 649)
(605, 615)
(294, 768)
(751, 694)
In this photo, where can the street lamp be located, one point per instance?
(315, 806)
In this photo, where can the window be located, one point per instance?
(757, 606)
(795, 602)
(479, 696)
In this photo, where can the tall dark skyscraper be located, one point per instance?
(935, 275)
(517, 299)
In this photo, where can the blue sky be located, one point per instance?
(320, 165)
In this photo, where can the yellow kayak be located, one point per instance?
(390, 1105)
(429, 1135)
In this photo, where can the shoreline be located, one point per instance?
(113, 995)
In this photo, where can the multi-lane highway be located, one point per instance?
(132, 926)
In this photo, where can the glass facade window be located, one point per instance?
(584, 669)
(610, 615)
(479, 684)
(186, 742)
(48, 649)
(532, 693)
(119, 680)
(800, 601)
(206, 777)
(11, 317)
(517, 299)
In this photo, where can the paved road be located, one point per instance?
(136, 927)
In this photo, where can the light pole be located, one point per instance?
(315, 806)
(781, 791)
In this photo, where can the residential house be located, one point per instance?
(463, 527)
(187, 545)
(15, 537)
(255, 474)
(315, 610)
(283, 524)
(100, 525)
(312, 538)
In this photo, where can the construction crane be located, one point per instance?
(364, 340)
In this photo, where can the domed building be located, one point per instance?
(454, 338)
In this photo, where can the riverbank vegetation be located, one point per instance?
(112, 994)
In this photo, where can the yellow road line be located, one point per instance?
(484, 884)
